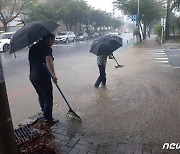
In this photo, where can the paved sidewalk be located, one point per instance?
(73, 143)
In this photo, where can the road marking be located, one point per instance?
(58, 45)
(175, 67)
(162, 61)
(160, 58)
(161, 50)
(156, 53)
(70, 44)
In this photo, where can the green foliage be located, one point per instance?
(149, 11)
(70, 12)
(116, 23)
(158, 31)
(175, 4)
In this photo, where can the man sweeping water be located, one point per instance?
(101, 62)
(40, 53)
(102, 48)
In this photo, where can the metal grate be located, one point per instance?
(24, 133)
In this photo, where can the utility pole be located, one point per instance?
(167, 19)
(7, 138)
(138, 22)
(138, 12)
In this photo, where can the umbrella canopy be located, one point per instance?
(31, 33)
(106, 45)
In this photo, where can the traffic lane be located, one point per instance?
(84, 46)
(173, 57)
(76, 47)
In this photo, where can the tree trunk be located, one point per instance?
(67, 27)
(167, 19)
(144, 33)
(5, 27)
(70, 27)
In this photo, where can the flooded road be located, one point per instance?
(140, 103)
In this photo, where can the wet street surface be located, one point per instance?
(139, 107)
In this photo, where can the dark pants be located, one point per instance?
(44, 91)
(102, 77)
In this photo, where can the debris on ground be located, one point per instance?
(41, 143)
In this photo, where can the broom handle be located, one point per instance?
(49, 73)
(115, 59)
(63, 96)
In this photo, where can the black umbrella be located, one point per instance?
(31, 33)
(106, 45)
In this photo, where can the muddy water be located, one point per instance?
(140, 103)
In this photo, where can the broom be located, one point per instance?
(70, 112)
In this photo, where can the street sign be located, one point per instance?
(133, 17)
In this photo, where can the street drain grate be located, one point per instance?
(24, 133)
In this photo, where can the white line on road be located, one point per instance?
(156, 50)
(159, 53)
(175, 67)
(71, 44)
(161, 58)
(58, 45)
(162, 61)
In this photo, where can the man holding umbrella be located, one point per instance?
(101, 62)
(39, 54)
(102, 48)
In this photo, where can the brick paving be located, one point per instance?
(74, 143)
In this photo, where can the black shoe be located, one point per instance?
(51, 122)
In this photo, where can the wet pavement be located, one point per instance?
(137, 113)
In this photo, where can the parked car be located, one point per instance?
(65, 37)
(113, 34)
(82, 36)
(93, 35)
(5, 41)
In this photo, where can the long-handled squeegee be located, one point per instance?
(118, 65)
(70, 112)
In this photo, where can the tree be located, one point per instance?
(9, 10)
(34, 11)
(175, 4)
(116, 23)
(98, 19)
(171, 5)
(70, 12)
(146, 16)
